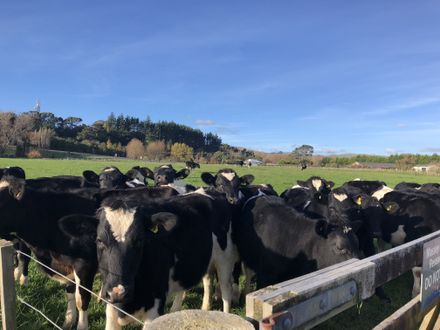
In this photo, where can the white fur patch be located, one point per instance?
(165, 166)
(340, 197)
(357, 179)
(398, 237)
(179, 186)
(317, 183)
(228, 176)
(120, 221)
(200, 191)
(379, 194)
(111, 169)
(135, 182)
(4, 184)
(299, 187)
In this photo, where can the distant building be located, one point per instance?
(382, 166)
(253, 162)
(425, 168)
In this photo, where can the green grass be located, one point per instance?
(49, 296)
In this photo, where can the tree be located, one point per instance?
(156, 150)
(41, 138)
(135, 149)
(181, 151)
(302, 155)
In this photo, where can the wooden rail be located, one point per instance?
(311, 299)
(7, 285)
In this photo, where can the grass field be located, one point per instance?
(48, 295)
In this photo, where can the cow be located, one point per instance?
(376, 189)
(278, 243)
(411, 216)
(191, 164)
(113, 178)
(146, 251)
(319, 185)
(50, 226)
(166, 175)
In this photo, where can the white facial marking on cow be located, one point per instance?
(357, 179)
(418, 188)
(120, 221)
(379, 194)
(340, 197)
(317, 183)
(135, 182)
(165, 166)
(346, 229)
(111, 169)
(228, 176)
(398, 237)
(4, 184)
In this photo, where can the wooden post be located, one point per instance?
(430, 319)
(7, 285)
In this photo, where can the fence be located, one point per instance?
(299, 303)
(8, 295)
(311, 299)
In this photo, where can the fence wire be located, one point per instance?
(39, 312)
(78, 285)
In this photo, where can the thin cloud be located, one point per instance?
(204, 122)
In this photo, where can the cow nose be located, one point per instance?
(117, 293)
(233, 200)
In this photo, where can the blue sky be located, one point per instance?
(343, 76)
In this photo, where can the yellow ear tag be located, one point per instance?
(359, 200)
(17, 195)
(155, 229)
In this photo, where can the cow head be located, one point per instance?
(124, 236)
(113, 178)
(166, 174)
(318, 185)
(228, 182)
(12, 180)
(357, 206)
(338, 242)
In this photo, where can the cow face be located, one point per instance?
(318, 185)
(124, 236)
(137, 176)
(112, 177)
(166, 174)
(12, 180)
(339, 243)
(228, 182)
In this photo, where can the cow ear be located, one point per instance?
(391, 207)
(208, 178)
(330, 184)
(359, 200)
(16, 188)
(301, 183)
(182, 174)
(146, 172)
(91, 176)
(247, 179)
(322, 228)
(166, 220)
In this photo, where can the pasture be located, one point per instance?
(49, 297)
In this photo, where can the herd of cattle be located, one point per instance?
(151, 243)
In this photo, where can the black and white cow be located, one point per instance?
(48, 224)
(278, 243)
(166, 175)
(150, 250)
(113, 178)
(191, 164)
(319, 185)
(376, 189)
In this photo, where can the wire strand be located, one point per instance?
(39, 312)
(82, 287)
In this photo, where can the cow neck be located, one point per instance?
(260, 194)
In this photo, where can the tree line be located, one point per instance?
(22, 133)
